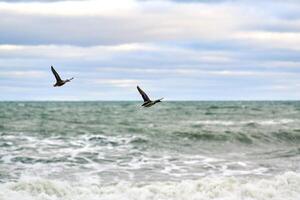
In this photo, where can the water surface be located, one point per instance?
(175, 150)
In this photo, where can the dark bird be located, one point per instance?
(147, 100)
(59, 82)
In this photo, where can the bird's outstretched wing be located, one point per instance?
(58, 79)
(144, 95)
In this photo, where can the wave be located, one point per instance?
(246, 122)
(115, 141)
(217, 137)
(285, 186)
(290, 137)
(204, 135)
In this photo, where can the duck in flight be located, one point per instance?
(147, 101)
(59, 82)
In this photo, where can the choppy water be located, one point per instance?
(175, 150)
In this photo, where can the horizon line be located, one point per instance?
(232, 100)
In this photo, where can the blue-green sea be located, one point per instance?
(173, 150)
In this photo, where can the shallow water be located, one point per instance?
(175, 150)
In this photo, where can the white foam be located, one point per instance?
(216, 122)
(286, 186)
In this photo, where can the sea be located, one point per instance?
(235, 150)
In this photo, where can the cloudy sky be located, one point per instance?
(180, 50)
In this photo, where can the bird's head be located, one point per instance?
(68, 80)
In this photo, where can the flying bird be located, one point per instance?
(147, 100)
(59, 81)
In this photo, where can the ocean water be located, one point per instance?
(174, 150)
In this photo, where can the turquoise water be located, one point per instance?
(173, 150)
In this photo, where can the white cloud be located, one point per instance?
(280, 64)
(270, 40)
(234, 73)
(22, 74)
(169, 53)
(187, 72)
(67, 51)
(71, 8)
(85, 22)
(123, 83)
(97, 22)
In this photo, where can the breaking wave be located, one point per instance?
(285, 186)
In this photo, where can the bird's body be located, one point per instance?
(150, 103)
(59, 81)
(147, 100)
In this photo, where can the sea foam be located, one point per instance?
(285, 186)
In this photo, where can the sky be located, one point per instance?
(180, 50)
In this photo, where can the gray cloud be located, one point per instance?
(237, 23)
(154, 22)
(96, 30)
